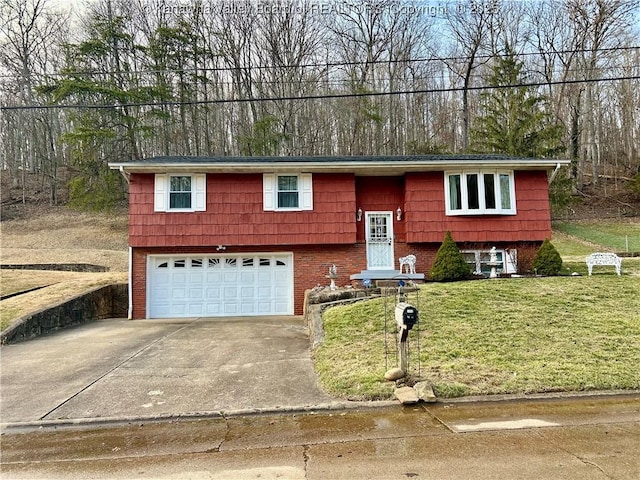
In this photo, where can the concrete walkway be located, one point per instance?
(120, 369)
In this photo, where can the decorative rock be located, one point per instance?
(394, 374)
(406, 395)
(425, 392)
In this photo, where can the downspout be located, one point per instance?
(554, 173)
(125, 174)
(130, 285)
(130, 274)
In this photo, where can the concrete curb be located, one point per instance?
(21, 427)
(106, 422)
(518, 397)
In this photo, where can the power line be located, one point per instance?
(310, 97)
(316, 65)
(439, 76)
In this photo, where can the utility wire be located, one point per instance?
(311, 97)
(315, 65)
(441, 76)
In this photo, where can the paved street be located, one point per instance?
(592, 438)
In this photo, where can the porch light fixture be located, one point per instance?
(399, 214)
(359, 214)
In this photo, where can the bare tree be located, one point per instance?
(29, 32)
(598, 25)
(470, 29)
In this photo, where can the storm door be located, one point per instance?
(380, 241)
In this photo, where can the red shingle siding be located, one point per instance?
(235, 215)
(380, 194)
(426, 220)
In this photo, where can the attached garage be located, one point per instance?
(219, 285)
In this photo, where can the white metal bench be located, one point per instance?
(604, 258)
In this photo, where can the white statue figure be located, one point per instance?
(333, 274)
(493, 256)
(333, 271)
(410, 262)
(493, 262)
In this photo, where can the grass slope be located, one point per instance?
(497, 336)
(59, 235)
(615, 236)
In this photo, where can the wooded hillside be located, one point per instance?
(126, 79)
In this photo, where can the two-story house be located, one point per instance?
(242, 236)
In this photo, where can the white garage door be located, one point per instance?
(219, 285)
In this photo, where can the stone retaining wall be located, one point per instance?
(318, 299)
(102, 302)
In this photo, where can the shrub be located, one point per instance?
(526, 255)
(634, 184)
(560, 194)
(99, 193)
(548, 260)
(449, 263)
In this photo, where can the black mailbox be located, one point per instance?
(406, 315)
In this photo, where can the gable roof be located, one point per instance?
(359, 165)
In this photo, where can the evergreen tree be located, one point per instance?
(515, 121)
(449, 263)
(97, 73)
(548, 260)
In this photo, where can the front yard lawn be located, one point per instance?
(520, 335)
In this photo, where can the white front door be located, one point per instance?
(380, 241)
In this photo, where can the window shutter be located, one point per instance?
(268, 193)
(200, 192)
(306, 191)
(160, 193)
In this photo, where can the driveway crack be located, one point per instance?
(225, 438)
(114, 368)
(305, 458)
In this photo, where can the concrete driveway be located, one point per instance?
(120, 369)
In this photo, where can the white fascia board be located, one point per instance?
(370, 167)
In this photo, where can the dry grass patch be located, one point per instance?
(62, 228)
(14, 281)
(59, 235)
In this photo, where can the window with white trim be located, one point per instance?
(288, 191)
(481, 192)
(288, 194)
(479, 261)
(180, 193)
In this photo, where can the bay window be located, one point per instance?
(483, 192)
